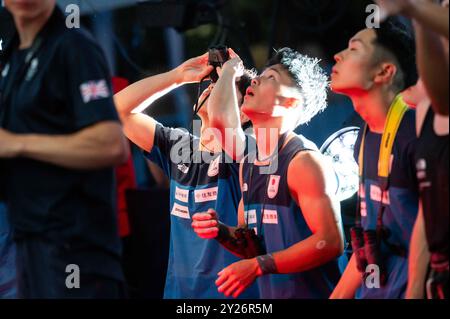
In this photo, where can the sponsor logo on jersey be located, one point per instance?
(250, 217)
(375, 195)
(182, 195)
(206, 195)
(270, 217)
(180, 211)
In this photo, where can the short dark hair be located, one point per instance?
(393, 37)
(308, 77)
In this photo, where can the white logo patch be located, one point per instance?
(245, 187)
(375, 195)
(421, 175)
(362, 191)
(421, 165)
(206, 195)
(274, 185)
(270, 217)
(182, 195)
(213, 169)
(250, 216)
(363, 209)
(183, 168)
(180, 211)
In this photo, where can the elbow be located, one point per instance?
(219, 127)
(339, 250)
(119, 152)
(123, 116)
(216, 121)
(335, 244)
(221, 120)
(338, 247)
(120, 107)
(222, 123)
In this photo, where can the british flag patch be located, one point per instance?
(94, 90)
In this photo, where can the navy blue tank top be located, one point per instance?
(282, 225)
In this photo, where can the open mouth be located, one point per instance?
(249, 92)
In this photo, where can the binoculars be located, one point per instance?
(366, 248)
(218, 55)
(249, 243)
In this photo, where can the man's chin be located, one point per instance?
(25, 15)
(245, 109)
(338, 89)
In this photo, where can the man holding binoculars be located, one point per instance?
(201, 178)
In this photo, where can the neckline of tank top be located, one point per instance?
(267, 162)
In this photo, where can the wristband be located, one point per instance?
(267, 264)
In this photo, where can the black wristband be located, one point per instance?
(267, 264)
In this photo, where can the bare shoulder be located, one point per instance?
(309, 171)
(307, 162)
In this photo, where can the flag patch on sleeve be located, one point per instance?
(94, 90)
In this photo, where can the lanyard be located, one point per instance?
(14, 79)
(393, 121)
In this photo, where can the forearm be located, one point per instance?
(419, 258)
(430, 15)
(84, 150)
(433, 68)
(151, 88)
(349, 283)
(224, 114)
(308, 254)
(223, 105)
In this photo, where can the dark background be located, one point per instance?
(149, 37)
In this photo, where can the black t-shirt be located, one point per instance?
(432, 172)
(65, 88)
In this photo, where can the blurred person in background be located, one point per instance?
(203, 177)
(60, 138)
